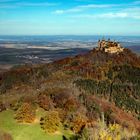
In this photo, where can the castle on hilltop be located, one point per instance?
(109, 46)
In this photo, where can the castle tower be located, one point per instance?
(99, 43)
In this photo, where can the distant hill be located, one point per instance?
(136, 49)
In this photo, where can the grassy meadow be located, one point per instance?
(26, 131)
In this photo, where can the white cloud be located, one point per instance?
(4, 4)
(132, 11)
(97, 6)
(136, 2)
(35, 4)
(3, 1)
(127, 13)
(59, 11)
(105, 15)
(81, 8)
(114, 15)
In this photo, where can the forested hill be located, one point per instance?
(88, 86)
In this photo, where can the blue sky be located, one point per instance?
(69, 17)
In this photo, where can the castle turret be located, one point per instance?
(99, 43)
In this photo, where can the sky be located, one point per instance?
(70, 17)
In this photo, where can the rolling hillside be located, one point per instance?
(93, 92)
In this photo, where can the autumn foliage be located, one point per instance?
(25, 114)
(51, 122)
(76, 91)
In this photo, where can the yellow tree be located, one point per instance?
(26, 113)
(50, 122)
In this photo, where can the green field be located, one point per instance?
(25, 131)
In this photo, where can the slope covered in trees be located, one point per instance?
(81, 92)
